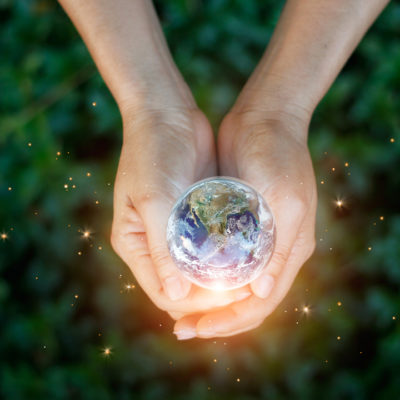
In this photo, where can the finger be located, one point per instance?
(130, 243)
(185, 328)
(155, 210)
(289, 214)
(245, 315)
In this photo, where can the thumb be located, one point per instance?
(155, 210)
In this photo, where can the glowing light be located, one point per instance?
(369, 248)
(94, 104)
(333, 169)
(215, 360)
(322, 182)
(129, 286)
(381, 217)
(346, 164)
(339, 303)
(59, 153)
(30, 144)
(339, 203)
(394, 317)
(86, 234)
(88, 174)
(338, 338)
(107, 351)
(4, 236)
(10, 188)
(237, 379)
(392, 140)
(306, 310)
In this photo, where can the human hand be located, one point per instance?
(270, 152)
(163, 152)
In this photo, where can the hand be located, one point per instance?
(270, 152)
(163, 152)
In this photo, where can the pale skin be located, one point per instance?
(168, 144)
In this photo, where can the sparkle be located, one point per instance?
(107, 351)
(94, 104)
(339, 203)
(392, 140)
(237, 379)
(29, 144)
(4, 236)
(129, 286)
(306, 309)
(346, 164)
(381, 217)
(322, 182)
(369, 248)
(86, 234)
(88, 174)
(333, 169)
(9, 188)
(339, 303)
(58, 153)
(215, 360)
(338, 338)
(394, 317)
(76, 296)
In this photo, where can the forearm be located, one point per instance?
(310, 45)
(126, 42)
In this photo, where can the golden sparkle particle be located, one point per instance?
(392, 140)
(129, 286)
(339, 303)
(86, 234)
(94, 104)
(107, 351)
(381, 217)
(3, 236)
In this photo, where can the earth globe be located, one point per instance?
(221, 233)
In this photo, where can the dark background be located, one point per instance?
(63, 299)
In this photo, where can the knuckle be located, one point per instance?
(161, 259)
(280, 255)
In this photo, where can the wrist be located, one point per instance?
(276, 98)
(275, 106)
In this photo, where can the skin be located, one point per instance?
(168, 145)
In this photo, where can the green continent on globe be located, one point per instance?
(213, 205)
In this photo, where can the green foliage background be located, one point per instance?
(51, 343)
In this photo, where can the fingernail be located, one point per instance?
(185, 334)
(207, 334)
(263, 286)
(173, 288)
(242, 296)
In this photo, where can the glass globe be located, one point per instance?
(221, 233)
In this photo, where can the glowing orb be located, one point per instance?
(221, 233)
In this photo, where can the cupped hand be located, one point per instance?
(163, 152)
(269, 151)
